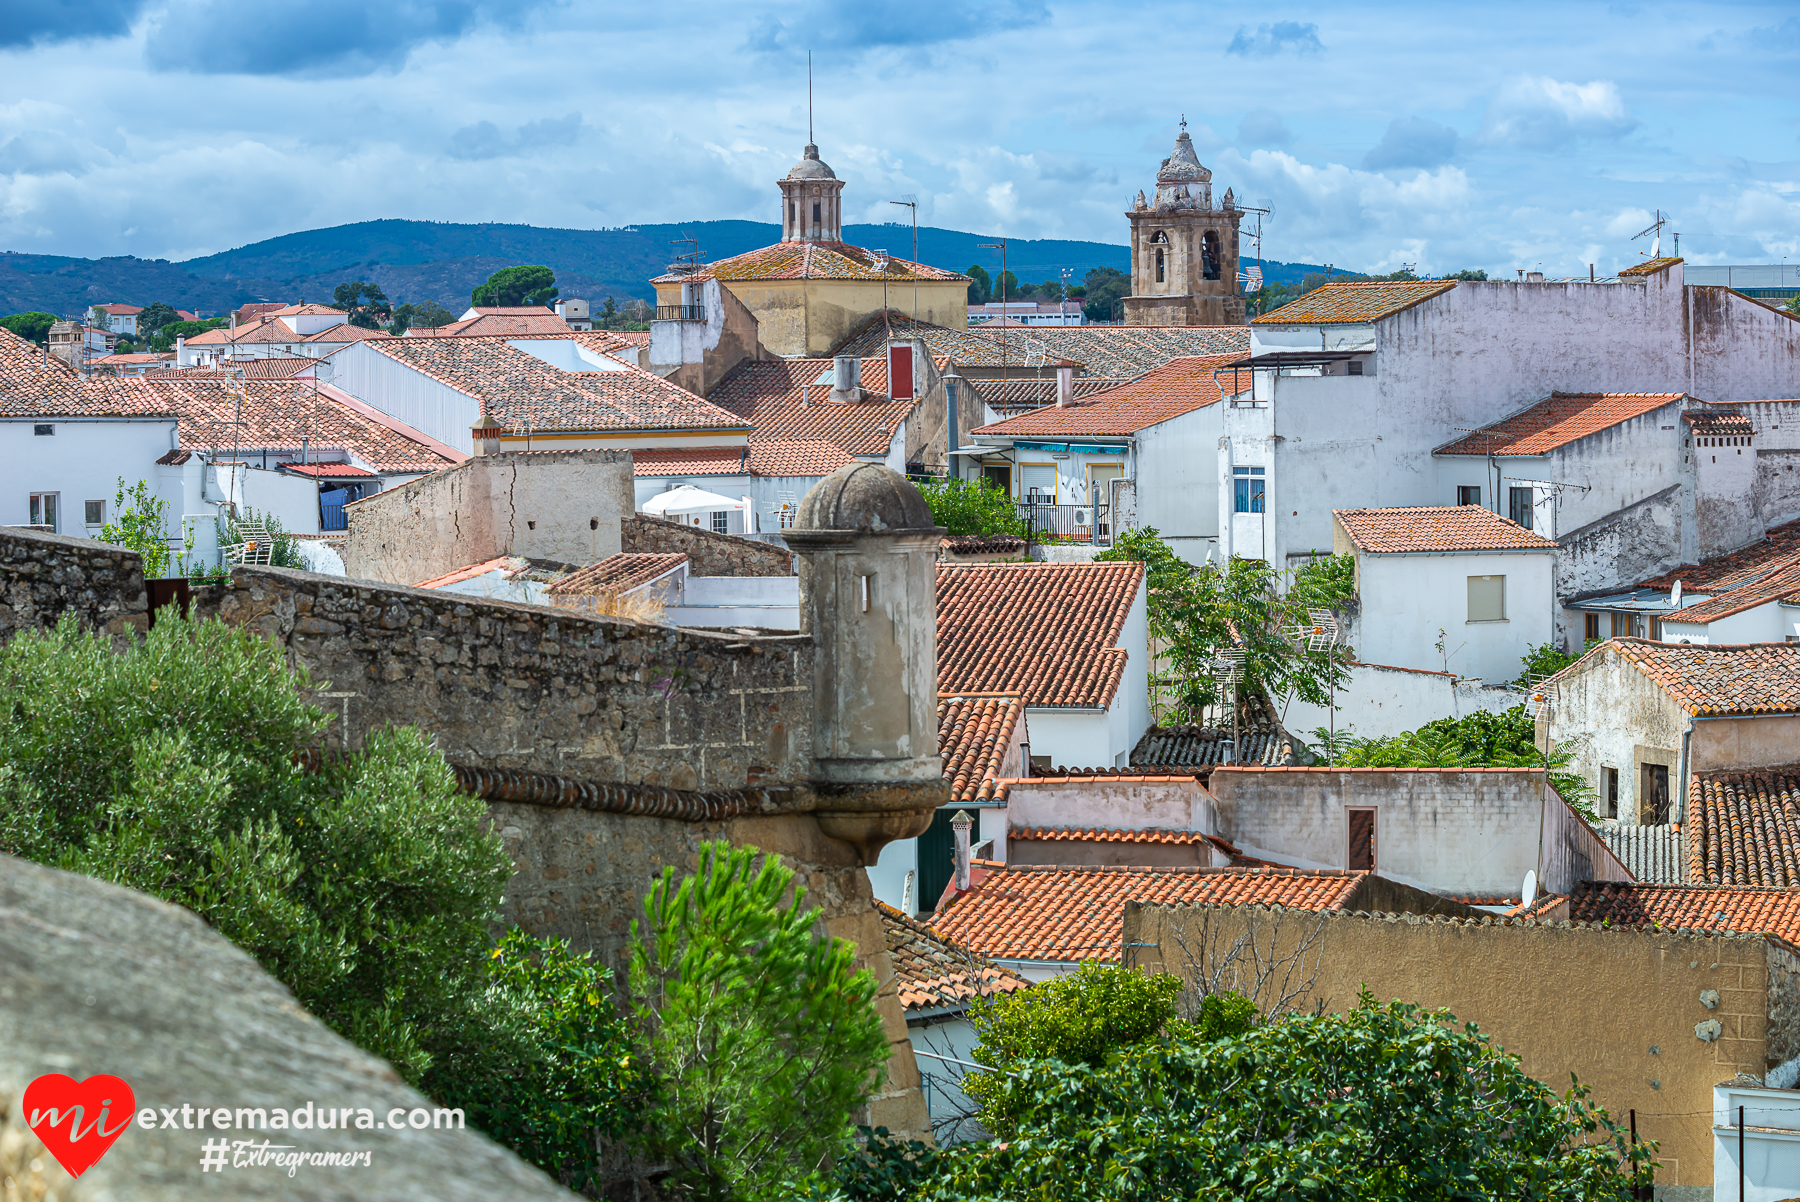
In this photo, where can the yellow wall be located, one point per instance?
(810, 317)
(1616, 1007)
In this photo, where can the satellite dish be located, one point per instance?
(1528, 891)
(1675, 595)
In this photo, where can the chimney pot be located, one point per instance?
(846, 379)
(1065, 386)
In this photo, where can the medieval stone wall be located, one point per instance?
(43, 576)
(709, 553)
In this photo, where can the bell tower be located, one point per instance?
(1184, 252)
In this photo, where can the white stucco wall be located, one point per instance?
(1614, 717)
(1408, 599)
(1176, 804)
(1381, 701)
(1770, 623)
(82, 461)
(1177, 478)
(398, 390)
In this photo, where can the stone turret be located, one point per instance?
(868, 599)
(812, 203)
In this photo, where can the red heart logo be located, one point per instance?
(74, 1118)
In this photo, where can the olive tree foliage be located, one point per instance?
(1384, 1103)
(139, 523)
(971, 507)
(760, 1033)
(1195, 612)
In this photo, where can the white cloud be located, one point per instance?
(1537, 112)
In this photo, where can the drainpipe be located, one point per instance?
(961, 824)
(951, 394)
(1681, 785)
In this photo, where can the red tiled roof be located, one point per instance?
(1690, 907)
(271, 328)
(690, 461)
(975, 732)
(499, 324)
(1424, 528)
(1558, 420)
(335, 471)
(273, 368)
(1650, 267)
(1719, 422)
(768, 395)
(1047, 632)
(812, 261)
(523, 392)
(1781, 583)
(120, 310)
(1094, 834)
(1021, 394)
(1110, 352)
(1740, 567)
(126, 360)
(1715, 680)
(1178, 387)
(1743, 828)
(33, 384)
(1057, 913)
(617, 574)
(1354, 301)
(513, 311)
(471, 571)
(933, 974)
(795, 456)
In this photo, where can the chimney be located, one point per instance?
(485, 433)
(1065, 386)
(1534, 277)
(846, 379)
(961, 824)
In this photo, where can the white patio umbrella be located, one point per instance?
(688, 499)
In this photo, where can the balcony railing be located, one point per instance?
(681, 312)
(1067, 523)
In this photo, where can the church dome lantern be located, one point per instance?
(812, 202)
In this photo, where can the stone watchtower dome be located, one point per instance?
(868, 599)
(811, 201)
(1184, 252)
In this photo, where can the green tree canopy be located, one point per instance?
(1106, 286)
(1467, 273)
(155, 316)
(981, 284)
(33, 326)
(971, 507)
(426, 315)
(511, 287)
(165, 337)
(366, 303)
(139, 523)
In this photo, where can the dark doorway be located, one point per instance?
(937, 859)
(1653, 801)
(1362, 841)
(1209, 255)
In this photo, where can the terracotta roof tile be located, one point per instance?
(498, 324)
(933, 974)
(769, 396)
(270, 329)
(274, 368)
(1781, 582)
(811, 261)
(1048, 633)
(617, 574)
(1178, 387)
(1094, 834)
(1205, 746)
(523, 392)
(1031, 912)
(1740, 567)
(333, 471)
(1425, 528)
(1650, 267)
(33, 384)
(1110, 352)
(1652, 853)
(1743, 828)
(1558, 420)
(1009, 398)
(470, 571)
(1719, 421)
(1716, 679)
(1354, 301)
(975, 733)
(1690, 907)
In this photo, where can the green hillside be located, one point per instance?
(426, 260)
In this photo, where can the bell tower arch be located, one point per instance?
(1184, 252)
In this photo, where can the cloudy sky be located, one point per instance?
(1525, 134)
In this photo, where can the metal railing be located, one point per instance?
(1067, 523)
(681, 313)
(331, 517)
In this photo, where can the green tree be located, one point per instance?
(1050, 290)
(1386, 1103)
(1106, 288)
(1467, 273)
(981, 284)
(155, 316)
(971, 507)
(33, 326)
(366, 303)
(511, 287)
(1006, 287)
(761, 1032)
(1077, 1019)
(178, 767)
(140, 523)
(164, 338)
(609, 314)
(1545, 659)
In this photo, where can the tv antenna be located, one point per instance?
(1228, 669)
(1252, 278)
(999, 244)
(911, 202)
(1654, 228)
(1321, 632)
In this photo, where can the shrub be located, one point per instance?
(762, 1035)
(971, 507)
(140, 525)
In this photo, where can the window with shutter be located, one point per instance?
(1362, 841)
(1039, 478)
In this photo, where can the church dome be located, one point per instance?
(811, 166)
(864, 497)
(1183, 165)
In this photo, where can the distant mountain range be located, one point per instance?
(427, 260)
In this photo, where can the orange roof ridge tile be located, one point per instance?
(1354, 301)
(1422, 529)
(1558, 420)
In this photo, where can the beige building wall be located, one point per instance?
(798, 318)
(1614, 717)
(1618, 1008)
(565, 506)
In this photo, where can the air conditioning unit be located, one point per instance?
(1084, 517)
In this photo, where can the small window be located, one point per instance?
(96, 513)
(43, 509)
(1609, 792)
(1159, 267)
(1519, 505)
(1209, 255)
(1361, 852)
(43, 428)
(1653, 802)
(721, 520)
(1487, 598)
(1037, 482)
(1468, 494)
(1590, 628)
(999, 477)
(1621, 625)
(1356, 367)
(815, 212)
(1247, 490)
